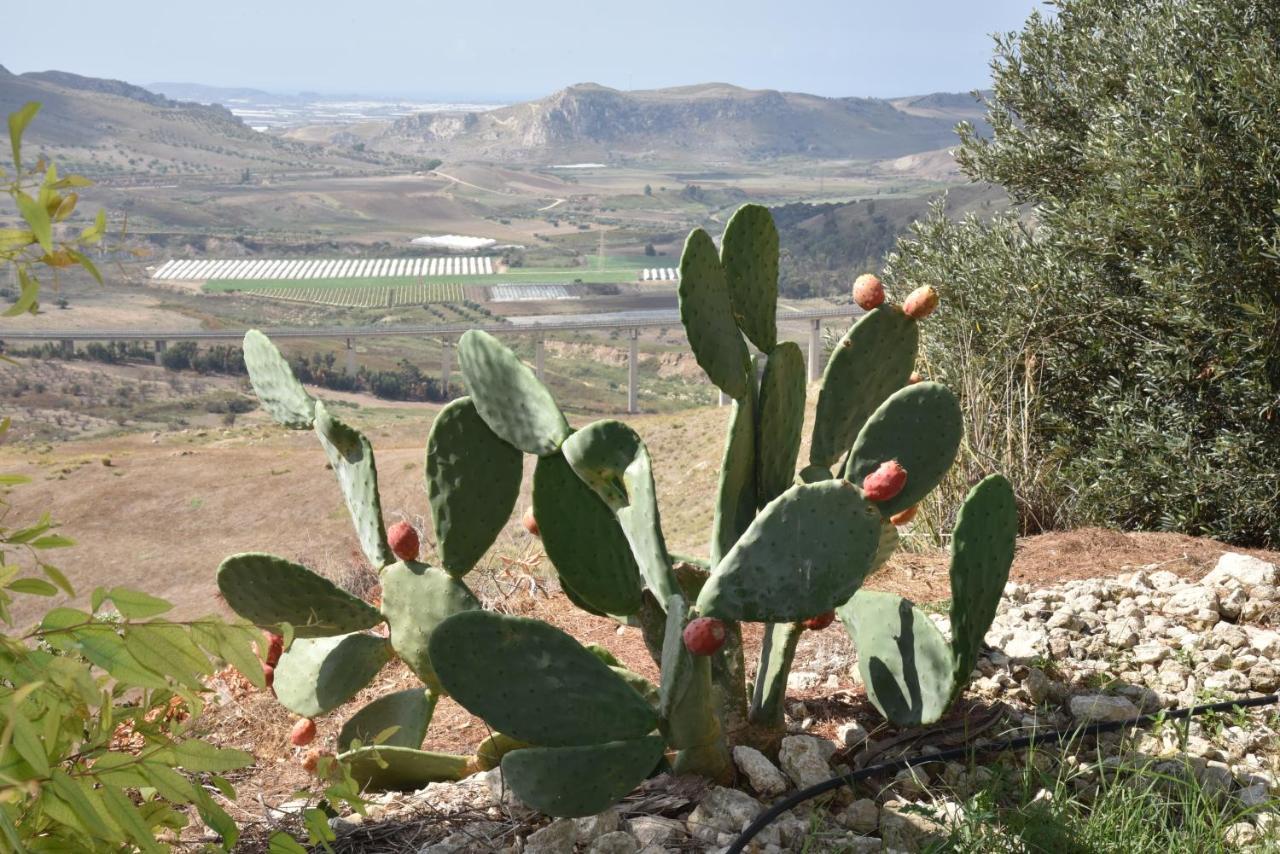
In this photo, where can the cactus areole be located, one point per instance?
(791, 541)
(885, 482)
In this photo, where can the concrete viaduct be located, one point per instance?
(448, 335)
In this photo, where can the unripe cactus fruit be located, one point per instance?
(704, 636)
(921, 302)
(905, 516)
(914, 378)
(312, 760)
(867, 291)
(530, 523)
(269, 674)
(820, 622)
(885, 482)
(275, 648)
(403, 540)
(303, 733)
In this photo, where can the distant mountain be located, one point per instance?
(203, 94)
(713, 121)
(110, 128)
(952, 106)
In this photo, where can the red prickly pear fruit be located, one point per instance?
(885, 482)
(312, 760)
(303, 733)
(704, 636)
(403, 540)
(867, 291)
(275, 648)
(269, 674)
(530, 523)
(914, 378)
(921, 302)
(905, 516)
(820, 622)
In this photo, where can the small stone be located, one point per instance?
(1240, 835)
(1215, 778)
(556, 838)
(1242, 569)
(764, 776)
(617, 842)
(597, 825)
(911, 782)
(1038, 685)
(1233, 604)
(1101, 707)
(1150, 653)
(851, 734)
(655, 831)
(861, 816)
(1025, 644)
(1198, 606)
(902, 828)
(1264, 678)
(1254, 796)
(1232, 636)
(803, 680)
(1227, 680)
(1264, 641)
(805, 758)
(721, 810)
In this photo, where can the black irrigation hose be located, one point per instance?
(1053, 737)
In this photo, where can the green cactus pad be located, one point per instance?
(416, 598)
(982, 546)
(887, 546)
(610, 458)
(749, 256)
(351, 456)
(871, 362)
(920, 426)
(316, 675)
(473, 480)
(806, 553)
(273, 381)
(642, 686)
(736, 494)
(267, 590)
(777, 652)
(389, 769)
(782, 391)
(509, 396)
(409, 710)
(534, 682)
(707, 314)
(686, 704)
(572, 782)
(583, 539)
(490, 751)
(813, 474)
(904, 660)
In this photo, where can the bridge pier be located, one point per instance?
(539, 357)
(446, 364)
(351, 368)
(815, 349)
(633, 372)
(161, 344)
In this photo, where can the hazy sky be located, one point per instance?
(504, 50)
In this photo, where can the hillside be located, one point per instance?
(112, 129)
(707, 123)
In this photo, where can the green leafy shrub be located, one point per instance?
(1127, 328)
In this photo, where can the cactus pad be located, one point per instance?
(806, 553)
(409, 710)
(473, 480)
(736, 494)
(782, 391)
(920, 426)
(385, 768)
(610, 458)
(707, 314)
(267, 590)
(490, 751)
(903, 659)
(571, 782)
(871, 362)
(509, 396)
(351, 456)
(534, 682)
(316, 675)
(749, 256)
(982, 546)
(583, 540)
(416, 598)
(274, 383)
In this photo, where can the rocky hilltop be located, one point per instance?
(711, 121)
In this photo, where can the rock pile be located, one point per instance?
(1081, 651)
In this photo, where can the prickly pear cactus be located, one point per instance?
(572, 728)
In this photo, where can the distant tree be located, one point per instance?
(1134, 316)
(648, 190)
(649, 250)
